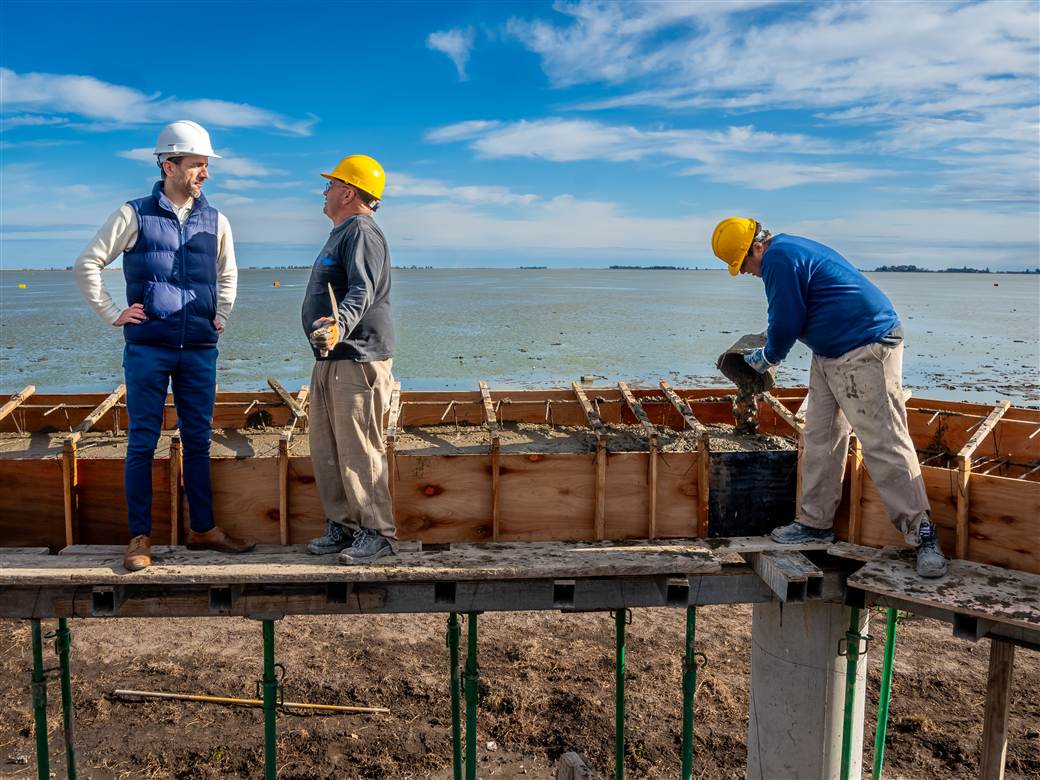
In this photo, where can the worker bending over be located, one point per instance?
(817, 297)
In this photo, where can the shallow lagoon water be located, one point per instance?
(969, 336)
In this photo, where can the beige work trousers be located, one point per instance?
(348, 400)
(860, 391)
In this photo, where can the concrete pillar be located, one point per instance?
(798, 692)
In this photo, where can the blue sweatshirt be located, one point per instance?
(816, 296)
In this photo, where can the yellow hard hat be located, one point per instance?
(731, 241)
(361, 171)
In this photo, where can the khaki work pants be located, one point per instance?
(860, 391)
(348, 400)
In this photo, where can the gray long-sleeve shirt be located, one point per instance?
(356, 261)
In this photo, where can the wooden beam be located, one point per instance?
(987, 425)
(69, 478)
(301, 401)
(175, 488)
(651, 434)
(790, 575)
(783, 412)
(703, 455)
(963, 504)
(283, 488)
(491, 420)
(287, 399)
(855, 489)
(596, 423)
(998, 703)
(91, 419)
(16, 400)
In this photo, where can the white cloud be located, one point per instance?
(403, 185)
(29, 120)
(102, 102)
(231, 165)
(456, 43)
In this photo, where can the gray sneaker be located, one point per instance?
(369, 545)
(335, 539)
(931, 563)
(796, 533)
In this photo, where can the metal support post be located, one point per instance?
(472, 680)
(885, 695)
(63, 647)
(852, 651)
(39, 697)
(621, 618)
(454, 632)
(689, 686)
(270, 686)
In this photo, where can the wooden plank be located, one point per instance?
(283, 489)
(16, 400)
(288, 400)
(176, 505)
(998, 705)
(302, 398)
(703, 453)
(678, 493)
(682, 408)
(547, 496)
(37, 484)
(788, 573)
(492, 424)
(446, 498)
(651, 434)
(1005, 522)
(591, 415)
(963, 478)
(973, 589)
(783, 412)
(494, 561)
(91, 419)
(983, 430)
(600, 498)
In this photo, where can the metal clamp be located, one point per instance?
(628, 615)
(279, 691)
(864, 639)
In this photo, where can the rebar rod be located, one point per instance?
(39, 697)
(270, 703)
(472, 681)
(63, 646)
(885, 694)
(852, 639)
(454, 632)
(619, 693)
(689, 686)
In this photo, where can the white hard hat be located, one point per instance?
(183, 137)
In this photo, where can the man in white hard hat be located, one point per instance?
(855, 382)
(352, 338)
(181, 278)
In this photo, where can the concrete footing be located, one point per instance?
(798, 692)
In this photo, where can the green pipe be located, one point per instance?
(689, 685)
(39, 697)
(619, 693)
(270, 703)
(454, 632)
(852, 639)
(472, 679)
(63, 646)
(886, 693)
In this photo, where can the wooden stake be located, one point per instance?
(855, 489)
(492, 423)
(964, 475)
(16, 400)
(175, 488)
(783, 412)
(984, 429)
(651, 434)
(703, 455)
(998, 701)
(283, 488)
(69, 483)
(596, 423)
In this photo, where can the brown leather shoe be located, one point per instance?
(216, 539)
(138, 554)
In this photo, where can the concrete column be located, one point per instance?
(798, 692)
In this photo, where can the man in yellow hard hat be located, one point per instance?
(351, 383)
(817, 297)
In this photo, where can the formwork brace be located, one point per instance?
(452, 640)
(852, 646)
(622, 618)
(472, 677)
(885, 694)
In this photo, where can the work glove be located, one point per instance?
(757, 360)
(325, 334)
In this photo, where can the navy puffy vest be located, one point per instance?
(172, 270)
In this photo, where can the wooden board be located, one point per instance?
(245, 498)
(497, 561)
(969, 588)
(547, 497)
(32, 510)
(443, 498)
(627, 495)
(102, 501)
(1004, 522)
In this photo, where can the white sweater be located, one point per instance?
(119, 233)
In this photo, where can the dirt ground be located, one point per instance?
(546, 687)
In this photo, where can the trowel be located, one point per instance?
(748, 381)
(333, 327)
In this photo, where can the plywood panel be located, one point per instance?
(32, 510)
(628, 495)
(678, 494)
(443, 498)
(547, 497)
(102, 501)
(245, 498)
(306, 514)
(1004, 522)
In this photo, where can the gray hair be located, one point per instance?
(761, 234)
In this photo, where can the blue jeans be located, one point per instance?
(149, 370)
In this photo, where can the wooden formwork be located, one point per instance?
(981, 469)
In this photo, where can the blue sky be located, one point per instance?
(566, 134)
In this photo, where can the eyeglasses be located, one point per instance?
(330, 184)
